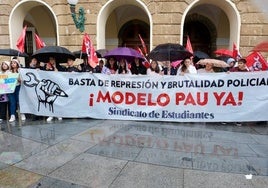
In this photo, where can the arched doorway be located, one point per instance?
(202, 33)
(30, 13)
(129, 34)
(221, 18)
(117, 19)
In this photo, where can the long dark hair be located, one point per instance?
(121, 69)
(183, 66)
(14, 69)
(140, 69)
(157, 69)
(108, 65)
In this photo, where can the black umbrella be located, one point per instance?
(124, 52)
(169, 52)
(201, 55)
(61, 54)
(100, 53)
(223, 58)
(12, 52)
(80, 55)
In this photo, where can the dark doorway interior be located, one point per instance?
(202, 34)
(129, 34)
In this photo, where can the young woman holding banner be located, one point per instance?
(3, 97)
(14, 97)
(186, 67)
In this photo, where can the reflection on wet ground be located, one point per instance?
(109, 153)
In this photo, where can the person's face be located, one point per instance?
(101, 63)
(136, 61)
(154, 64)
(70, 62)
(112, 61)
(241, 65)
(33, 62)
(52, 60)
(232, 64)
(209, 66)
(187, 62)
(122, 63)
(14, 64)
(4, 66)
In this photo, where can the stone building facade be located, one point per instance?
(210, 24)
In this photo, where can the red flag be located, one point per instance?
(189, 45)
(140, 51)
(21, 40)
(88, 48)
(93, 56)
(145, 63)
(236, 53)
(256, 62)
(86, 44)
(143, 45)
(38, 42)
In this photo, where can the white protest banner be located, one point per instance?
(191, 98)
(8, 82)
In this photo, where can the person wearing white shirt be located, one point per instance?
(153, 69)
(186, 67)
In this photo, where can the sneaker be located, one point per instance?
(1, 120)
(59, 118)
(23, 117)
(12, 118)
(49, 118)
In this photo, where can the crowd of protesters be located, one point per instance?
(112, 66)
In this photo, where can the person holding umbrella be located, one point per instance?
(211, 65)
(208, 69)
(51, 66)
(70, 66)
(34, 64)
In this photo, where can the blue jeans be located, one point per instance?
(14, 100)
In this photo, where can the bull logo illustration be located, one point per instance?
(46, 90)
(257, 64)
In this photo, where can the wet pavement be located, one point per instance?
(124, 154)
